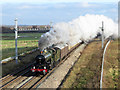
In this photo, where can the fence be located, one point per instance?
(26, 42)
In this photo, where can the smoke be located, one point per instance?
(83, 28)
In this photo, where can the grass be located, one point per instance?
(8, 47)
(30, 36)
(87, 70)
(24, 44)
(110, 79)
(21, 34)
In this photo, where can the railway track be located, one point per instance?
(14, 76)
(24, 78)
(16, 72)
(36, 84)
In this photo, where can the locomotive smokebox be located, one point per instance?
(40, 59)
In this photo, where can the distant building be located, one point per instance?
(26, 28)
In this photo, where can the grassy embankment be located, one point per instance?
(110, 75)
(87, 70)
(24, 44)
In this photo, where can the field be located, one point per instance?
(27, 42)
(86, 72)
(26, 36)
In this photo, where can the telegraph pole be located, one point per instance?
(51, 25)
(16, 36)
(102, 34)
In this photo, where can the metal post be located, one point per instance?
(102, 34)
(51, 25)
(16, 36)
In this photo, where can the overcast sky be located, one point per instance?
(37, 12)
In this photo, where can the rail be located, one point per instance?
(103, 64)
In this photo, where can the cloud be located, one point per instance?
(113, 10)
(1, 14)
(33, 7)
(56, 12)
(53, 1)
(85, 5)
(25, 7)
(59, 5)
(42, 6)
(103, 11)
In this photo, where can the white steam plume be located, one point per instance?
(83, 28)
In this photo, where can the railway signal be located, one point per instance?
(16, 36)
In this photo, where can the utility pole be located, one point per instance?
(16, 36)
(102, 34)
(51, 25)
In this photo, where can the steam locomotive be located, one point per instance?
(50, 57)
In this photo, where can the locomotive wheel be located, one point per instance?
(44, 73)
(52, 66)
(49, 70)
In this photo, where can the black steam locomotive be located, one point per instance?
(50, 57)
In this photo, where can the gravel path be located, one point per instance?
(55, 79)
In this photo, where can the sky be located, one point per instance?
(54, 1)
(42, 12)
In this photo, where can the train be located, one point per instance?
(50, 57)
